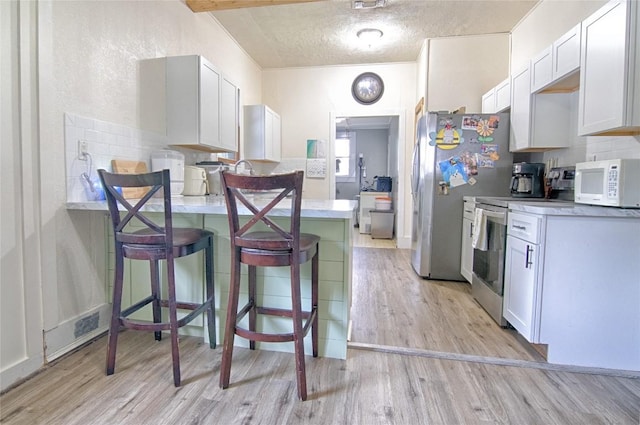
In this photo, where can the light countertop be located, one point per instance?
(572, 209)
(313, 208)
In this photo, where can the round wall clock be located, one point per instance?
(367, 88)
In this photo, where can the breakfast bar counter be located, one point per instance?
(332, 220)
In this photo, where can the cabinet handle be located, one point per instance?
(471, 230)
(527, 261)
(515, 226)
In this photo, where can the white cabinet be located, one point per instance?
(262, 133)
(550, 67)
(503, 95)
(498, 99)
(522, 289)
(489, 102)
(610, 70)
(541, 70)
(566, 54)
(570, 283)
(229, 113)
(520, 109)
(466, 254)
(193, 105)
(539, 121)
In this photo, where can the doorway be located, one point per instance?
(365, 147)
(366, 153)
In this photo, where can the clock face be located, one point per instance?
(367, 88)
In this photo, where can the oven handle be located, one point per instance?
(497, 216)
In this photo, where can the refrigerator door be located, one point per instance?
(423, 198)
(450, 143)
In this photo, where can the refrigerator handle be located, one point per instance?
(415, 170)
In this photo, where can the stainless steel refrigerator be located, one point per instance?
(455, 155)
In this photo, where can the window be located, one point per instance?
(345, 149)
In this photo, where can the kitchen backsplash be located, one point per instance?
(609, 147)
(105, 141)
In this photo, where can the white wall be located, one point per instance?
(545, 23)
(88, 56)
(305, 98)
(462, 69)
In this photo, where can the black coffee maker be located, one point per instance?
(527, 180)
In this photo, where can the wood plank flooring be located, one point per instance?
(395, 307)
(370, 387)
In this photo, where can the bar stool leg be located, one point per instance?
(211, 307)
(298, 335)
(114, 326)
(155, 292)
(173, 320)
(252, 300)
(230, 325)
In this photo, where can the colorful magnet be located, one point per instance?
(448, 137)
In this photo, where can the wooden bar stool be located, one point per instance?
(271, 248)
(154, 243)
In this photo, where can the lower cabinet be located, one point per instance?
(571, 283)
(521, 287)
(466, 253)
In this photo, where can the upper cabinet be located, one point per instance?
(551, 67)
(229, 113)
(262, 133)
(498, 99)
(610, 70)
(201, 105)
(566, 54)
(541, 70)
(539, 121)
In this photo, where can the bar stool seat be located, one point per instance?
(275, 247)
(154, 242)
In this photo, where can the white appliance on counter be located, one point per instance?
(166, 159)
(609, 183)
(195, 181)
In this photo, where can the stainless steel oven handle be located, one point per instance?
(496, 216)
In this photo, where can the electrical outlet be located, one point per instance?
(83, 149)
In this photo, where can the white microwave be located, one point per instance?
(610, 183)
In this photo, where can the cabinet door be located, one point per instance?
(228, 116)
(489, 102)
(503, 95)
(276, 138)
(466, 255)
(603, 69)
(520, 109)
(566, 53)
(209, 105)
(520, 280)
(541, 70)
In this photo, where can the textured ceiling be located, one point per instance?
(324, 33)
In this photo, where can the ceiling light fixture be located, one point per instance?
(369, 35)
(368, 4)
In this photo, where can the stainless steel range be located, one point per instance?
(487, 281)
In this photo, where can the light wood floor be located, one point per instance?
(391, 375)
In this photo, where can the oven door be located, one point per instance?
(488, 266)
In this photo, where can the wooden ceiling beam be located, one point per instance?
(214, 5)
